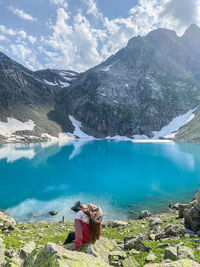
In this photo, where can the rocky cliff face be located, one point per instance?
(141, 88)
(137, 91)
(29, 99)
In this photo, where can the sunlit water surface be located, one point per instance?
(122, 177)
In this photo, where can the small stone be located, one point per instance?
(117, 224)
(152, 237)
(134, 252)
(53, 212)
(119, 254)
(151, 257)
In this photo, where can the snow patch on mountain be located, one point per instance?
(50, 83)
(13, 125)
(107, 68)
(78, 132)
(174, 125)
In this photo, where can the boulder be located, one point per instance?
(2, 251)
(181, 208)
(136, 243)
(173, 230)
(53, 255)
(129, 262)
(15, 262)
(101, 249)
(144, 214)
(179, 263)
(192, 213)
(6, 220)
(27, 249)
(171, 253)
(185, 253)
(155, 221)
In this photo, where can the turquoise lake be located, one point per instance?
(122, 177)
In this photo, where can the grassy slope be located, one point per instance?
(55, 232)
(191, 131)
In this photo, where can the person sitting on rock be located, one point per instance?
(87, 226)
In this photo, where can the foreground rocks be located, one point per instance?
(154, 240)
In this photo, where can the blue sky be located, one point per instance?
(79, 34)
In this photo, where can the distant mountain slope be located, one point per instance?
(151, 83)
(25, 96)
(140, 89)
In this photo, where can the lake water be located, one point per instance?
(122, 177)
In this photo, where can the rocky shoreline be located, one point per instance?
(167, 239)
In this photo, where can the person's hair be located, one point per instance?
(95, 231)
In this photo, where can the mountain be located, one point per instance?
(140, 89)
(149, 84)
(27, 98)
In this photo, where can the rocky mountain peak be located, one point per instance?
(193, 31)
(161, 32)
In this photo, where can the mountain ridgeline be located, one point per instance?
(137, 91)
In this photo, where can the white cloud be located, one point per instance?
(92, 9)
(3, 38)
(178, 14)
(22, 34)
(26, 55)
(75, 45)
(61, 3)
(21, 14)
(5, 30)
(32, 39)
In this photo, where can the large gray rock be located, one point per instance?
(181, 208)
(184, 252)
(2, 251)
(173, 230)
(171, 253)
(6, 220)
(53, 255)
(144, 214)
(179, 263)
(129, 262)
(155, 221)
(192, 213)
(27, 249)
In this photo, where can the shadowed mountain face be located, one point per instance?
(138, 90)
(27, 95)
